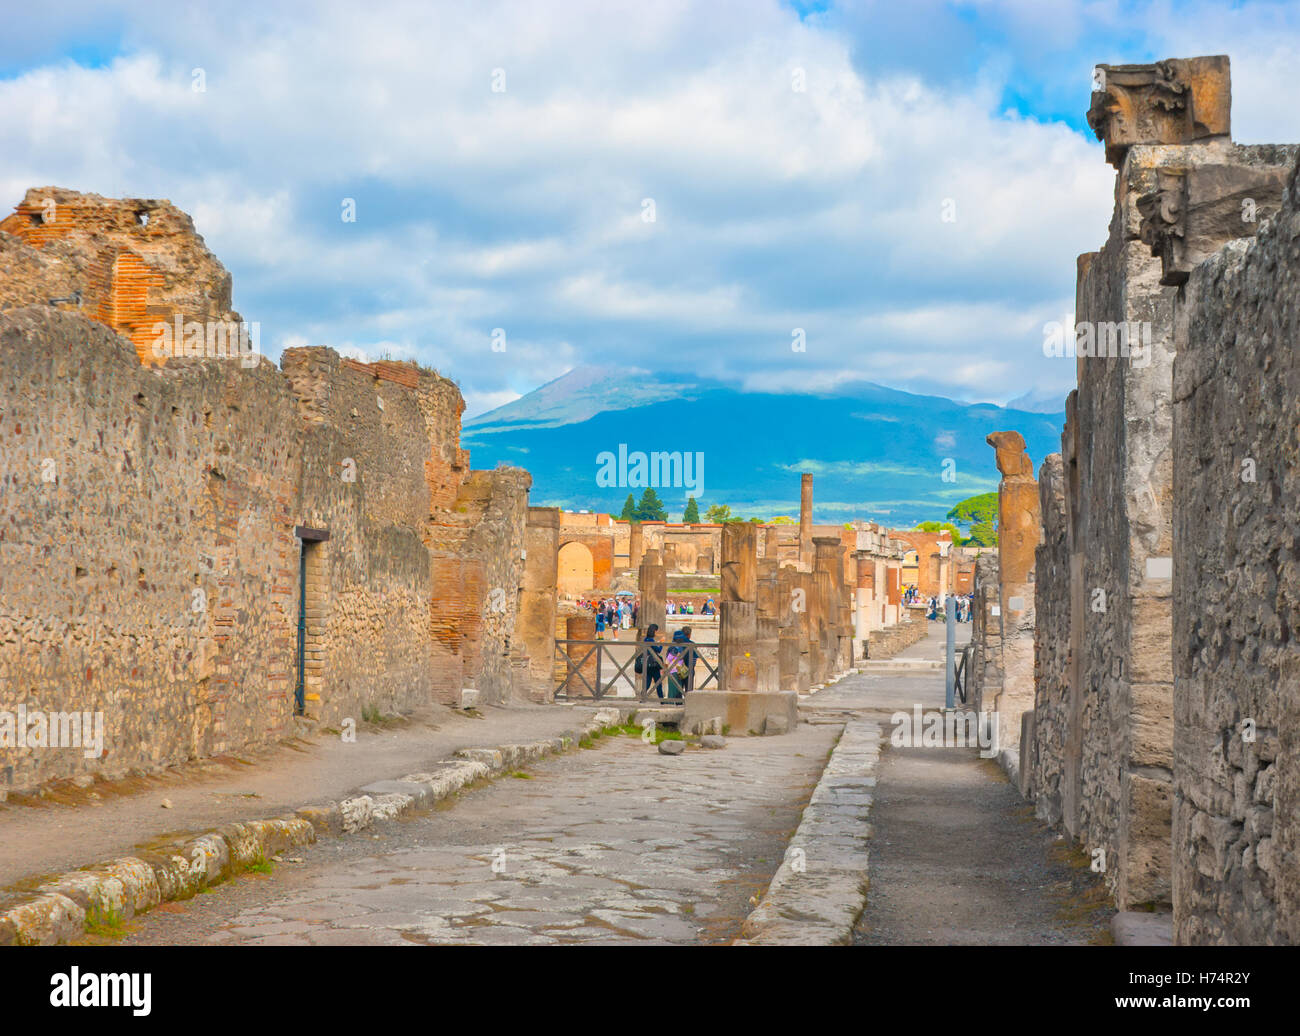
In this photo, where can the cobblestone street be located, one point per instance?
(615, 844)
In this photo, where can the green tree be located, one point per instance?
(691, 516)
(957, 539)
(718, 513)
(976, 509)
(982, 534)
(782, 519)
(651, 508)
(629, 510)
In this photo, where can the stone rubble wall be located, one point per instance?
(984, 677)
(1051, 646)
(1236, 809)
(134, 261)
(149, 564)
(1160, 580)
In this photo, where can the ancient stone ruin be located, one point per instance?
(1163, 734)
(206, 548)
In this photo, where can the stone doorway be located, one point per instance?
(310, 661)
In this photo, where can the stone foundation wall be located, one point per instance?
(1236, 874)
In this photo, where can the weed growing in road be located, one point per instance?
(105, 924)
(519, 775)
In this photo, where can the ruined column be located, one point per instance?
(791, 639)
(768, 628)
(828, 568)
(634, 545)
(537, 600)
(738, 626)
(771, 549)
(652, 581)
(1019, 529)
(805, 521)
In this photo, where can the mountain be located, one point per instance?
(1037, 401)
(875, 452)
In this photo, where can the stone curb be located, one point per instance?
(820, 889)
(58, 910)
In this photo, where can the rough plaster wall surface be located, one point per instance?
(1237, 593)
(1051, 643)
(148, 560)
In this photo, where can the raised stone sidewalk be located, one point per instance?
(820, 890)
(58, 910)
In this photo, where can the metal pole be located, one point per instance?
(950, 615)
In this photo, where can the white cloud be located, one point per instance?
(775, 208)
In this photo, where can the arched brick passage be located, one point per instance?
(576, 568)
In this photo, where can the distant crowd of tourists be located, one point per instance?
(620, 613)
(935, 610)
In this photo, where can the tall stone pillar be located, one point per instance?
(768, 626)
(866, 614)
(893, 592)
(537, 600)
(652, 581)
(771, 549)
(1019, 531)
(746, 667)
(828, 568)
(738, 625)
(634, 545)
(790, 645)
(805, 520)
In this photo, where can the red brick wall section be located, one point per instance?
(456, 623)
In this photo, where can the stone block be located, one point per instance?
(672, 747)
(741, 712)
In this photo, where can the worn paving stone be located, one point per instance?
(612, 845)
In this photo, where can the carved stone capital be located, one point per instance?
(1177, 101)
(1194, 212)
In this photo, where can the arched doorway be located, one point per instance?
(576, 570)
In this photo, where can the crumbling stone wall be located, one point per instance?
(128, 263)
(149, 562)
(154, 519)
(1236, 812)
(1105, 754)
(985, 677)
(1051, 643)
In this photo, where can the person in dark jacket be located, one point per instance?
(650, 664)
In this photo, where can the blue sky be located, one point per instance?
(525, 208)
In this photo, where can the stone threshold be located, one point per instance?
(58, 910)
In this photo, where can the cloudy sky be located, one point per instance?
(674, 185)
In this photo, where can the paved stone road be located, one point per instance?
(958, 859)
(615, 844)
